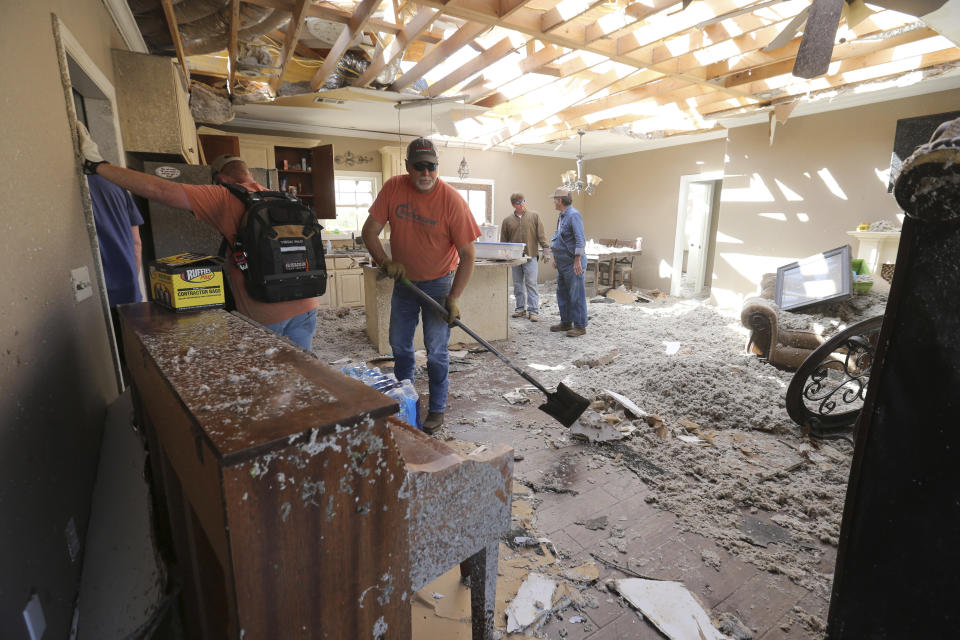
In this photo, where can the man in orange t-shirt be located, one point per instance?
(215, 205)
(432, 232)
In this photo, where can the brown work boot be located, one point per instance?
(533, 317)
(519, 313)
(576, 331)
(433, 422)
(563, 326)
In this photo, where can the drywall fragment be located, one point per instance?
(669, 607)
(597, 361)
(628, 406)
(671, 347)
(533, 601)
(595, 524)
(690, 439)
(623, 297)
(594, 428)
(586, 572)
(516, 397)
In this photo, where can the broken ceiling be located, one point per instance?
(527, 72)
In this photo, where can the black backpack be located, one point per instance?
(278, 247)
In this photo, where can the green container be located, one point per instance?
(859, 267)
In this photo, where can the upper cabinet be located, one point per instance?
(309, 174)
(153, 106)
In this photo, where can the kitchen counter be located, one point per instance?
(484, 305)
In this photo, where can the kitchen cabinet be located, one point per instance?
(308, 173)
(344, 282)
(153, 106)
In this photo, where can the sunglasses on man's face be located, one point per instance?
(426, 166)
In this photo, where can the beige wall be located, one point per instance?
(639, 196)
(56, 372)
(830, 168)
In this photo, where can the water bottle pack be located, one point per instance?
(402, 391)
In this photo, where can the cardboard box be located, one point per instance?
(187, 282)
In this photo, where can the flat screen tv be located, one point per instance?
(822, 277)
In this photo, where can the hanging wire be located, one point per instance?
(464, 169)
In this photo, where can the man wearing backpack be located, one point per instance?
(432, 232)
(215, 205)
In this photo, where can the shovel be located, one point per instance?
(564, 404)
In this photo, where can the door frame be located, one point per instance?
(680, 236)
(69, 48)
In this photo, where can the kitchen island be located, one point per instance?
(484, 305)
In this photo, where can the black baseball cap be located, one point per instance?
(422, 149)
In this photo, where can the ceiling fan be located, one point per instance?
(820, 22)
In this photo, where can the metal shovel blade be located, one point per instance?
(565, 405)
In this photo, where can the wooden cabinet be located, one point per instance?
(153, 106)
(344, 282)
(309, 174)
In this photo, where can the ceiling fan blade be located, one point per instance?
(855, 12)
(816, 47)
(789, 32)
(910, 7)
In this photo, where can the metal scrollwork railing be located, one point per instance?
(827, 392)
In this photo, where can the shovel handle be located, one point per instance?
(438, 308)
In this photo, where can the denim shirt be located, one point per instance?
(569, 237)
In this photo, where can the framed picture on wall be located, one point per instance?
(820, 278)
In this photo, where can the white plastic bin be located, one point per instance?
(499, 250)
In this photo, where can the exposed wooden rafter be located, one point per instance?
(290, 42)
(386, 55)
(175, 37)
(233, 45)
(463, 36)
(347, 37)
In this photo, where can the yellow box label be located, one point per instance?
(189, 289)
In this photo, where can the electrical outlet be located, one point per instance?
(80, 283)
(33, 616)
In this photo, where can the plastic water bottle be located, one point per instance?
(412, 403)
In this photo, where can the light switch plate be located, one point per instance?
(33, 616)
(80, 283)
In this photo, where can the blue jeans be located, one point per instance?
(525, 282)
(571, 292)
(299, 328)
(405, 309)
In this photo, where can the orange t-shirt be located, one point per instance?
(425, 228)
(222, 210)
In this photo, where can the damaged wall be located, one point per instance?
(824, 174)
(56, 370)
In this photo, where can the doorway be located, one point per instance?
(90, 98)
(696, 233)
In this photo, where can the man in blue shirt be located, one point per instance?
(118, 232)
(567, 248)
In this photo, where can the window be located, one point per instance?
(355, 191)
(479, 196)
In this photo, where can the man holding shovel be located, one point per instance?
(432, 232)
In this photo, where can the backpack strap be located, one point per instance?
(240, 192)
(236, 253)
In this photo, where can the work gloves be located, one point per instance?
(89, 150)
(395, 270)
(453, 310)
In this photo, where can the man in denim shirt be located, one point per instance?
(567, 248)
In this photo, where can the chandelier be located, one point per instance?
(573, 180)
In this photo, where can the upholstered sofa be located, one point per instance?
(781, 347)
